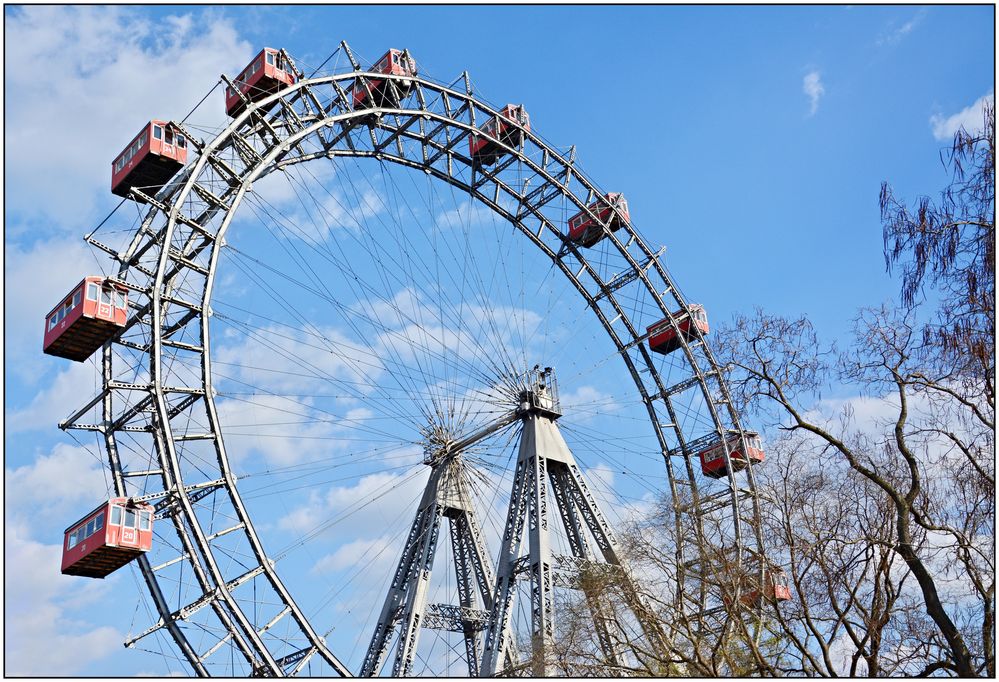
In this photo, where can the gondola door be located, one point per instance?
(105, 305)
(129, 529)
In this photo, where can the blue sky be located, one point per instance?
(751, 141)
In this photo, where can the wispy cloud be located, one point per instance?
(50, 638)
(57, 400)
(64, 262)
(892, 34)
(114, 70)
(814, 89)
(970, 118)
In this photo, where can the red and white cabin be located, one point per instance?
(713, 456)
(150, 160)
(266, 74)
(775, 589)
(663, 336)
(507, 127)
(394, 62)
(90, 315)
(611, 211)
(107, 538)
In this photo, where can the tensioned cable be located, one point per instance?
(371, 248)
(326, 376)
(389, 302)
(325, 61)
(318, 373)
(106, 218)
(201, 101)
(403, 234)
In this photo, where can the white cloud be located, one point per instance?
(279, 188)
(875, 418)
(40, 637)
(893, 35)
(30, 296)
(286, 360)
(813, 88)
(311, 216)
(403, 308)
(870, 413)
(362, 524)
(370, 204)
(79, 83)
(114, 71)
(69, 391)
(970, 118)
(282, 431)
(415, 341)
(374, 552)
(516, 327)
(403, 488)
(586, 402)
(306, 517)
(415, 329)
(286, 431)
(601, 476)
(69, 479)
(395, 492)
(466, 214)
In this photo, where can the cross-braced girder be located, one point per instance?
(405, 610)
(545, 462)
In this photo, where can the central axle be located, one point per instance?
(537, 394)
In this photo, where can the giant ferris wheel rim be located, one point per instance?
(547, 171)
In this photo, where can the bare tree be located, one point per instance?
(949, 245)
(915, 483)
(889, 529)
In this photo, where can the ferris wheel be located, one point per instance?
(387, 383)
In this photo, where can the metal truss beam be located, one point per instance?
(545, 460)
(405, 611)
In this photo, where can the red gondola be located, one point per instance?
(507, 127)
(713, 456)
(395, 62)
(775, 589)
(107, 538)
(148, 163)
(86, 319)
(266, 74)
(611, 211)
(663, 337)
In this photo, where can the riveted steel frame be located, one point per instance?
(446, 495)
(544, 460)
(179, 240)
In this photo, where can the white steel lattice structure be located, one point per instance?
(219, 595)
(544, 459)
